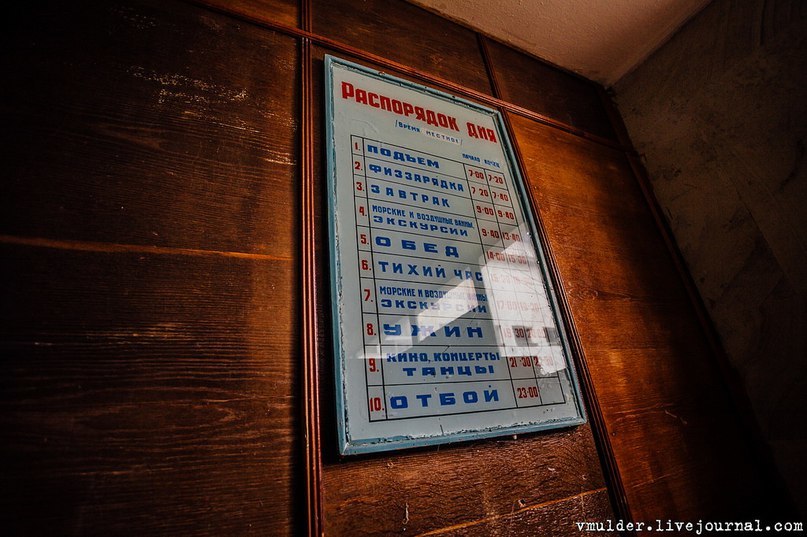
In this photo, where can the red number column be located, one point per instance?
(373, 366)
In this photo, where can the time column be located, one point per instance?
(373, 364)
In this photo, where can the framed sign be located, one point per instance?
(446, 327)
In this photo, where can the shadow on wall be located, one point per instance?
(720, 112)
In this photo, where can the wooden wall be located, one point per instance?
(152, 223)
(149, 270)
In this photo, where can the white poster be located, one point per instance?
(445, 324)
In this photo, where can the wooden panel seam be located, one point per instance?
(114, 247)
(494, 82)
(535, 507)
(410, 71)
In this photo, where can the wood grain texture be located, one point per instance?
(148, 270)
(318, 58)
(407, 34)
(556, 518)
(285, 12)
(149, 123)
(148, 395)
(441, 486)
(680, 449)
(540, 87)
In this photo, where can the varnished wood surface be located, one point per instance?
(447, 485)
(285, 12)
(407, 34)
(459, 484)
(310, 288)
(556, 518)
(680, 449)
(146, 394)
(150, 123)
(613, 478)
(542, 88)
(148, 274)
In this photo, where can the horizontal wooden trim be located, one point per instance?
(452, 87)
(118, 248)
(515, 512)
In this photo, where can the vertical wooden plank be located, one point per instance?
(461, 484)
(537, 86)
(650, 365)
(485, 50)
(407, 34)
(615, 486)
